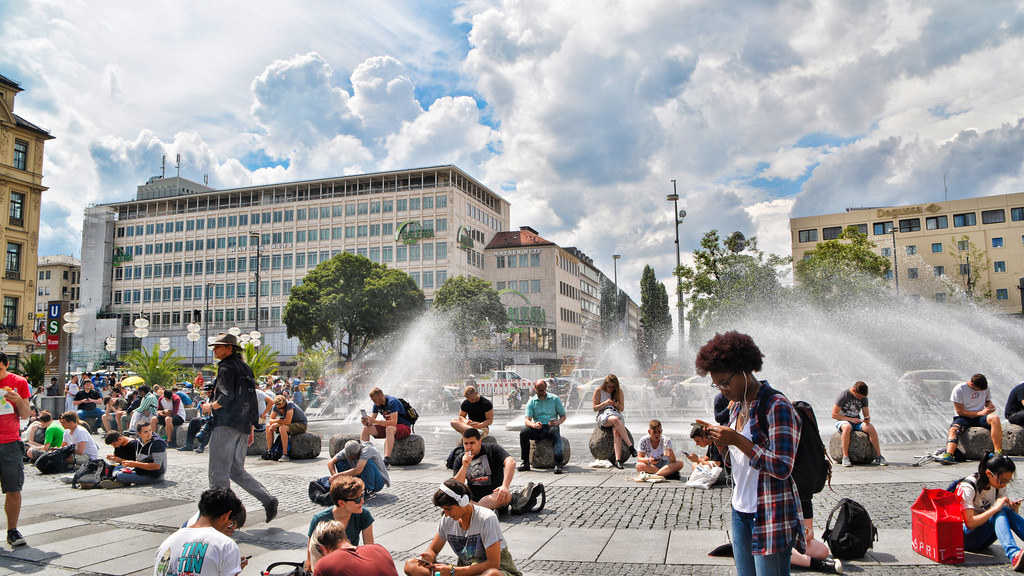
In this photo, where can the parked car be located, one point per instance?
(668, 382)
(693, 391)
(935, 384)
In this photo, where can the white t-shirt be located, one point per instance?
(198, 551)
(81, 435)
(471, 545)
(744, 494)
(652, 452)
(165, 404)
(973, 400)
(970, 499)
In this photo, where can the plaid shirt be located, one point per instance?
(777, 520)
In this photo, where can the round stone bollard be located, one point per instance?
(976, 442)
(259, 443)
(542, 454)
(861, 450)
(338, 441)
(602, 444)
(408, 451)
(305, 446)
(191, 413)
(1013, 440)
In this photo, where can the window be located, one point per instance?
(887, 252)
(361, 230)
(442, 201)
(401, 254)
(414, 203)
(997, 242)
(993, 216)
(414, 252)
(441, 224)
(403, 205)
(808, 235)
(374, 207)
(1002, 294)
(912, 273)
(13, 260)
(936, 247)
(535, 286)
(999, 266)
(910, 225)
(939, 271)
(362, 208)
(880, 228)
(10, 312)
(375, 254)
(1016, 214)
(441, 251)
(18, 209)
(888, 275)
(963, 245)
(968, 219)
(388, 205)
(350, 231)
(911, 250)
(350, 209)
(940, 296)
(374, 229)
(965, 269)
(20, 156)
(534, 259)
(428, 251)
(831, 233)
(386, 253)
(388, 228)
(862, 229)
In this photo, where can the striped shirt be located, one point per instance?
(777, 521)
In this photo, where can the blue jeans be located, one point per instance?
(94, 413)
(1003, 526)
(370, 476)
(747, 563)
(132, 478)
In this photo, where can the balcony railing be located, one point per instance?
(12, 275)
(19, 222)
(14, 332)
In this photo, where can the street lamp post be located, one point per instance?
(193, 335)
(207, 322)
(615, 268)
(255, 237)
(895, 264)
(677, 216)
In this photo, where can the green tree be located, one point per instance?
(724, 281)
(348, 301)
(655, 317)
(471, 307)
(155, 367)
(34, 369)
(317, 363)
(972, 264)
(612, 309)
(842, 270)
(262, 360)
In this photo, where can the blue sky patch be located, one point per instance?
(258, 159)
(823, 139)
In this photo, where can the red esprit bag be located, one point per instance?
(938, 527)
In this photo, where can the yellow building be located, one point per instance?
(21, 177)
(934, 243)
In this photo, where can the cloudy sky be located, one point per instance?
(579, 112)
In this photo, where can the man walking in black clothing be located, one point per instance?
(234, 412)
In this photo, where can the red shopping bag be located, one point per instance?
(938, 527)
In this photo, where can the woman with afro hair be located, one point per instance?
(766, 523)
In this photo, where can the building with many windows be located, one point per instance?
(21, 189)
(57, 278)
(931, 245)
(181, 251)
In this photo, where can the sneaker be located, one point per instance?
(1017, 563)
(271, 509)
(524, 467)
(368, 494)
(67, 479)
(185, 449)
(846, 462)
(14, 538)
(999, 453)
(387, 461)
(285, 458)
(558, 468)
(945, 458)
(111, 484)
(832, 566)
(881, 461)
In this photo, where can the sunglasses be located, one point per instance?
(359, 498)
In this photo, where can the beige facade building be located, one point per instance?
(21, 188)
(931, 245)
(57, 278)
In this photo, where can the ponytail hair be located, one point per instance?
(996, 464)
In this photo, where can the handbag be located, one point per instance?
(937, 526)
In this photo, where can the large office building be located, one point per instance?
(21, 189)
(931, 244)
(57, 278)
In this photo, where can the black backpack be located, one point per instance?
(811, 467)
(90, 474)
(320, 491)
(55, 461)
(853, 533)
(526, 501)
(410, 412)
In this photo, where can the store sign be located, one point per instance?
(410, 232)
(120, 256)
(907, 211)
(520, 310)
(515, 252)
(463, 238)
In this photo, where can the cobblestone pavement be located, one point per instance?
(569, 505)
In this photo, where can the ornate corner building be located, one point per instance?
(21, 189)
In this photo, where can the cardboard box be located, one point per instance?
(938, 529)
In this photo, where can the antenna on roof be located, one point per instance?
(177, 165)
(945, 189)
(163, 164)
(206, 179)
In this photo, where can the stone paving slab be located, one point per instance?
(575, 545)
(524, 541)
(645, 546)
(692, 546)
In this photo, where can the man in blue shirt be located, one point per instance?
(388, 421)
(544, 414)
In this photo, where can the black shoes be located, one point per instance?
(558, 468)
(387, 461)
(14, 538)
(185, 449)
(271, 509)
(618, 464)
(632, 451)
(524, 467)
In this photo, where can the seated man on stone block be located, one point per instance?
(476, 412)
(388, 421)
(487, 469)
(1015, 405)
(655, 454)
(170, 412)
(362, 460)
(86, 402)
(972, 402)
(544, 414)
(847, 411)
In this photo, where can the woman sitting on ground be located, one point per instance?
(988, 513)
(331, 554)
(474, 534)
(609, 403)
(347, 495)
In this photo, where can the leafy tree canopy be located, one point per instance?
(655, 317)
(842, 270)
(350, 295)
(969, 275)
(471, 306)
(725, 280)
